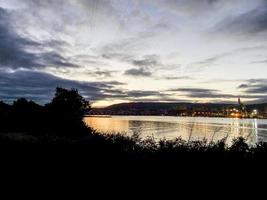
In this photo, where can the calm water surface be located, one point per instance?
(193, 128)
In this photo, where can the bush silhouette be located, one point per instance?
(239, 145)
(68, 104)
(64, 115)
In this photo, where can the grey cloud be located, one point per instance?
(102, 73)
(144, 64)
(197, 92)
(254, 86)
(55, 60)
(12, 46)
(40, 86)
(260, 89)
(123, 57)
(249, 23)
(138, 94)
(147, 61)
(190, 7)
(59, 45)
(175, 78)
(15, 49)
(214, 59)
(138, 72)
(209, 93)
(242, 86)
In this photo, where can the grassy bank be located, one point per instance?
(120, 147)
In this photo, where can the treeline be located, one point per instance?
(63, 116)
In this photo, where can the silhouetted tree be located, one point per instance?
(25, 115)
(69, 104)
(5, 112)
(4, 109)
(66, 111)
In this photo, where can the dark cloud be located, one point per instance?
(12, 46)
(242, 86)
(145, 66)
(40, 86)
(19, 52)
(117, 56)
(254, 86)
(102, 73)
(147, 61)
(249, 23)
(133, 95)
(55, 60)
(213, 60)
(111, 53)
(138, 94)
(209, 93)
(190, 7)
(138, 72)
(198, 92)
(176, 78)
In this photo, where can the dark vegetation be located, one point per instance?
(61, 117)
(57, 129)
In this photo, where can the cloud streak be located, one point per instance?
(254, 86)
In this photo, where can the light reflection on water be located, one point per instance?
(197, 128)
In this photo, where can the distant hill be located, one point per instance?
(174, 109)
(153, 108)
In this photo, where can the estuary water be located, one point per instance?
(188, 128)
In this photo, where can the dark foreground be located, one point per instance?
(111, 166)
(119, 148)
(44, 147)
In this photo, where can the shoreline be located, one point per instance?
(110, 116)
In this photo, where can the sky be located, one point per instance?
(116, 51)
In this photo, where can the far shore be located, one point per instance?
(109, 116)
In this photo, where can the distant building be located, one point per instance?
(239, 111)
(240, 102)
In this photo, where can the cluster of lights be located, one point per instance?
(254, 112)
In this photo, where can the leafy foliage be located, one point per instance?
(62, 117)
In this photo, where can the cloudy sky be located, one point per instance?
(134, 50)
